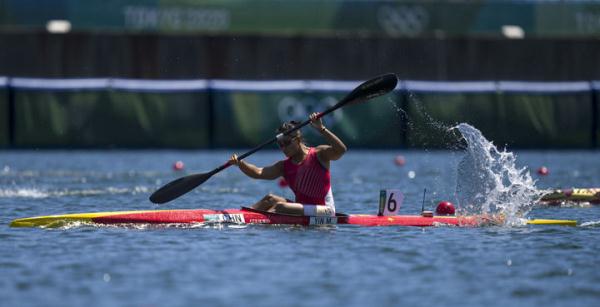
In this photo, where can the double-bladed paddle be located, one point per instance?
(369, 89)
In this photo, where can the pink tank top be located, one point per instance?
(310, 181)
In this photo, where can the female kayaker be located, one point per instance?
(306, 170)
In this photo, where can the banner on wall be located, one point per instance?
(248, 117)
(513, 114)
(111, 113)
(4, 113)
(227, 113)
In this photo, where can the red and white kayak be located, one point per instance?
(251, 216)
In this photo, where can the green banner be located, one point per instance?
(432, 115)
(111, 119)
(565, 18)
(544, 120)
(312, 17)
(128, 113)
(249, 118)
(511, 119)
(4, 115)
(596, 132)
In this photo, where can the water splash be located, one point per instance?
(423, 137)
(488, 181)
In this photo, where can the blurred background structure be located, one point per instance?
(224, 73)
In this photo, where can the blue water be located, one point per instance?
(286, 265)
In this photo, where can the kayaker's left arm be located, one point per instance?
(336, 149)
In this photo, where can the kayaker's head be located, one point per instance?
(292, 142)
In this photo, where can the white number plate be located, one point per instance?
(323, 220)
(225, 218)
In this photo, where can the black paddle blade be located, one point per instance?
(370, 89)
(178, 187)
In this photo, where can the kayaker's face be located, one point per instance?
(289, 145)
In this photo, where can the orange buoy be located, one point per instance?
(399, 160)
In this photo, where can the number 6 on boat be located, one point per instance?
(389, 202)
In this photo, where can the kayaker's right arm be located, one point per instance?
(268, 172)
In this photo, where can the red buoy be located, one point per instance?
(543, 171)
(399, 160)
(178, 166)
(445, 208)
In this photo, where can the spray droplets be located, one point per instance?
(489, 181)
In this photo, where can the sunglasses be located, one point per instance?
(285, 142)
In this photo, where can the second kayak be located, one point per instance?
(554, 197)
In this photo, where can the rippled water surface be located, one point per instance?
(286, 265)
